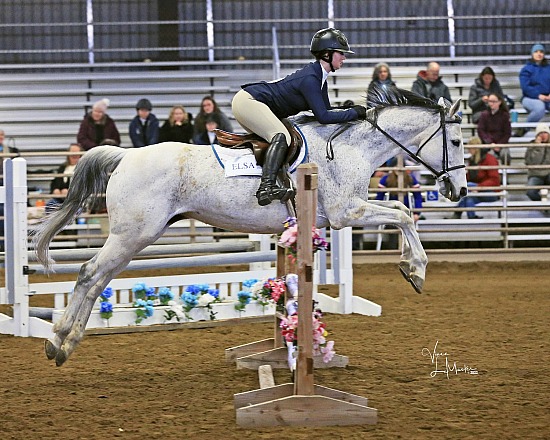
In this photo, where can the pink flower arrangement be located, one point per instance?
(290, 235)
(289, 327)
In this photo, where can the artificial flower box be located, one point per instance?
(125, 316)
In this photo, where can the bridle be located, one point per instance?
(441, 176)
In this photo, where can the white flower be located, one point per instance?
(257, 288)
(206, 299)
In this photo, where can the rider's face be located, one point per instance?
(338, 59)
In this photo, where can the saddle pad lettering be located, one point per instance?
(243, 163)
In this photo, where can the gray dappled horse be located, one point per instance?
(149, 188)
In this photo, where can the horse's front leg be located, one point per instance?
(360, 213)
(404, 265)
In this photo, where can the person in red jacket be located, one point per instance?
(494, 126)
(479, 178)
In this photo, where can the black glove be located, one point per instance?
(361, 111)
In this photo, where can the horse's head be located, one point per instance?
(438, 145)
(452, 177)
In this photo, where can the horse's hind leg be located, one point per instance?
(94, 276)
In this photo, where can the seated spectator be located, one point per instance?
(209, 107)
(97, 126)
(381, 76)
(479, 178)
(6, 149)
(209, 136)
(178, 127)
(60, 184)
(534, 79)
(429, 84)
(144, 128)
(494, 126)
(538, 156)
(484, 85)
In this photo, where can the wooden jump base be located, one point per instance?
(302, 403)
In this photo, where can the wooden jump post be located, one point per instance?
(303, 403)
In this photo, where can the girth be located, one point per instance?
(259, 145)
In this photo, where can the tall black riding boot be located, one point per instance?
(274, 159)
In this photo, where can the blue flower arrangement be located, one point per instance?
(105, 306)
(165, 295)
(199, 295)
(141, 291)
(243, 298)
(144, 310)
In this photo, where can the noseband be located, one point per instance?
(442, 175)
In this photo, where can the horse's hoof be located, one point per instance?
(50, 349)
(417, 283)
(404, 268)
(61, 357)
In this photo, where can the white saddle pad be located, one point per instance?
(243, 163)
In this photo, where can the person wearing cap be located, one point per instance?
(97, 126)
(534, 79)
(259, 107)
(144, 128)
(538, 156)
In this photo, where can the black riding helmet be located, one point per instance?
(327, 41)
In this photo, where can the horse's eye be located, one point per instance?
(456, 143)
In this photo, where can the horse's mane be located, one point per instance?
(381, 97)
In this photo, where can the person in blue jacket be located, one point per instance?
(259, 107)
(144, 128)
(534, 79)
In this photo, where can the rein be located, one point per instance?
(440, 175)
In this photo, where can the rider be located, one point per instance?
(259, 107)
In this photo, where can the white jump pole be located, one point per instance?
(14, 197)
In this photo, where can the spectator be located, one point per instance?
(178, 127)
(477, 178)
(6, 149)
(494, 126)
(538, 156)
(144, 128)
(60, 185)
(381, 76)
(209, 107)
(209, 136)
(534, 79)
(97, 126)
(429, 84)
(485, 84)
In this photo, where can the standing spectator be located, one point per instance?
(477, 178)
(178, 127)
(60, 184)
(97, 126)
(144, 128)
(381, 76)
(209, 136)
(430, 85)
(210, 107)
(485, 84)
(534, 79)
(494, 126)
(538, 156)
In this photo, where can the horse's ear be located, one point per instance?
(454, 108)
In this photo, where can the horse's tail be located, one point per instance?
(88, 183)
